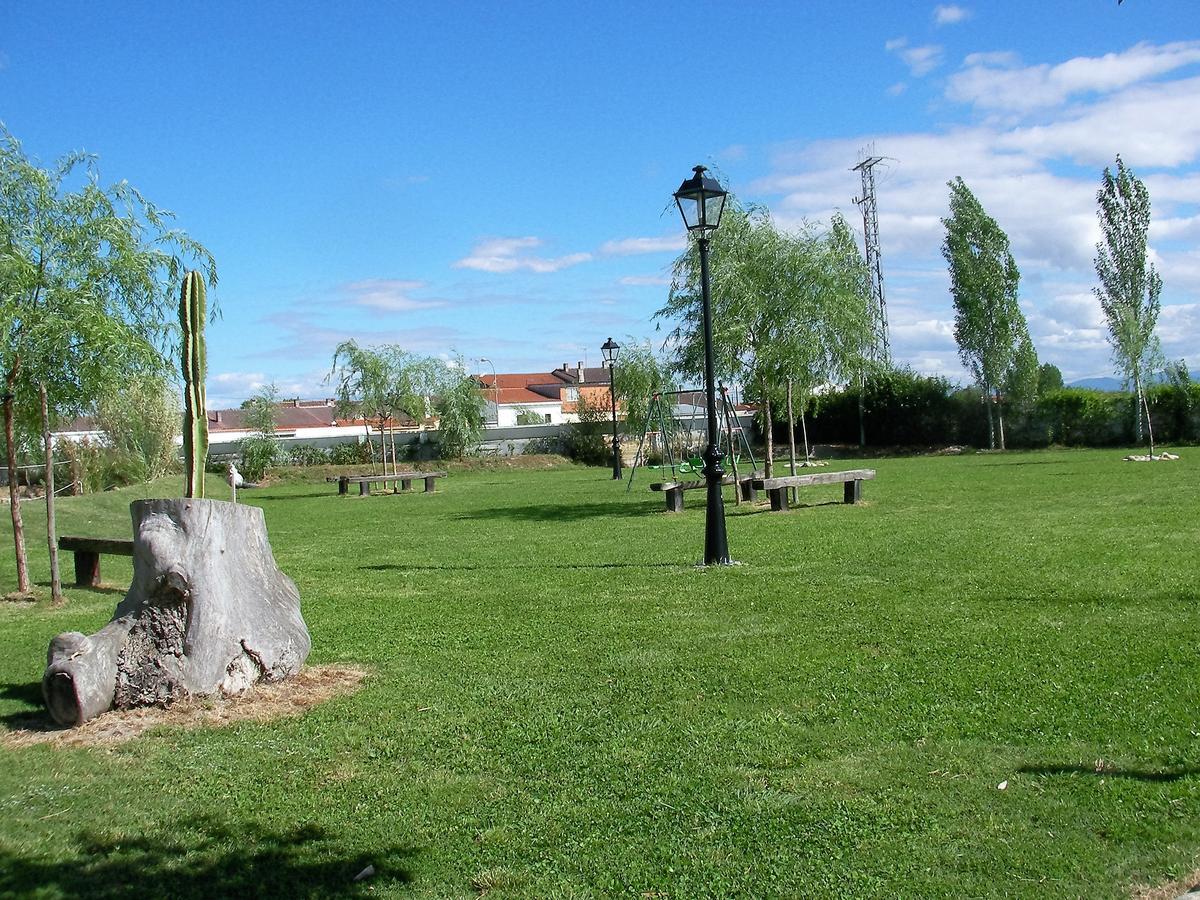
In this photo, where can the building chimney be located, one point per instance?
(580, 365)
(566, 367)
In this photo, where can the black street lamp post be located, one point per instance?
(610, 349)
(701, 202)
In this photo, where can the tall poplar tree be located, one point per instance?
(1129, 284)
(988, 323)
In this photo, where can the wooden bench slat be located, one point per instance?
(696, 485)
(87, 555)
(674, 489)
(113, 546)
(769, 484)
(399, 476)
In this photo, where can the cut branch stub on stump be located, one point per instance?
(208, 611)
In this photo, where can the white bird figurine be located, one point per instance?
(235, 480)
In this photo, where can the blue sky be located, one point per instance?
(494, 179)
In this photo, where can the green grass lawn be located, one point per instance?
(562, 705)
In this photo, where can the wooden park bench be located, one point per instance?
(778, 488)
(87, 555)
(673, 490)
(406, 479)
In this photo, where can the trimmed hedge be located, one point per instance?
(902, 408)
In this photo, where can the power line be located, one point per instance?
(866, 168)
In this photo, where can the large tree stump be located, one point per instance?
(208, 611)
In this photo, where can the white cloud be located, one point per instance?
(500, 255)
(629, 246)
(998, 82)
(388, 294)
(641, 280)
(227, 390)
(1036, 172)
(920, 60)
(950, 14)
(896, 89)
(1149, 125)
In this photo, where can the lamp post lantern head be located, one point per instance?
(610, 349)
(701, 201)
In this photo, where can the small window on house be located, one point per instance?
(547, 418)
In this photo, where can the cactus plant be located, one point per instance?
(192, 310)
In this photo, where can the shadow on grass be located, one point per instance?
(202, 857)
(477, 567)
(562, 512)
(1024, 462)
(315, 494)
(33, 719)
(758, 507)
(1107, 772)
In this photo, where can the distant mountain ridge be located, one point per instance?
(1103, 383)
(1109, 383)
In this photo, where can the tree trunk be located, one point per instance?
(14, 493)
(1137, 407)
(862, 411)
(768, 466)
(804, 431)
(737, 492)
(370, 445)
(1144, 404)
(791, 414)
(56, 596)
(987, 405)
(791, 411)
(208, 612)
(1000, 421)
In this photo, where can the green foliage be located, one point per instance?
(194, 366)
(460, 409)
(140, 422)
(639, 374)
(529, 417)
(901, 408)
(307, 455)
(385, 382)
(351, 453)
(99, 468)
(256, 454)
(1049, 378)
(261, 409)
(785, 306)
(992, 335)
(1023, 376)
(87, 278)
(260, 451)
(542, 446)
(1129, 284)
(587, 441)
(831, 718)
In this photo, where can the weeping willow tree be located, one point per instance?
(639, 374)
(88, 278)
(787, 307)
(825, 304)
(386, 382)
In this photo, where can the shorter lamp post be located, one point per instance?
(701, 202)
(610, 349)
(495, 385)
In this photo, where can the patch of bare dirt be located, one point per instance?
(262, 703)
(1169, 891)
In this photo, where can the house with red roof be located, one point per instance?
(555, 396)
